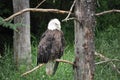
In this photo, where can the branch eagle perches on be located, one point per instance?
(58, 60)
(71, 63)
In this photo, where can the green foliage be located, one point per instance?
(9, 24)
(9, 72)
(107, 42)
(110, 19)
(68, 29)
(6, 65)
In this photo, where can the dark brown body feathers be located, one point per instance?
(51, 46)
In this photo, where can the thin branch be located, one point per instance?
(98, 3)
(71, 63)
(105, 12)
(52, 11)
(32, 70)
(107, 59)
(115, 67)
(68, 19)
(58, 60)
(70, 11)
(0, 56)
(64, 61)
(36, 10)
(101, 56)
(40, 3)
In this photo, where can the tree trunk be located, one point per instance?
(22, 46)
(84, 40)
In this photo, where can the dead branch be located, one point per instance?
(36, 10)
(105, 12)
(98, 4)
(32, 70)
(53, 11)
(101, 56)
(71, 63)
(72, 18)
(0, 56)
(105, 61)
(108, 59)
(58, 60)
(64, 61)
(115, 67)
(70, 11)
(40, 3)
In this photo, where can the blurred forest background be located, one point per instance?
(107, 40)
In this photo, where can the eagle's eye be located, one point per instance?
(56, 24)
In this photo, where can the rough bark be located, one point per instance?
(84, 40)
(22, 46)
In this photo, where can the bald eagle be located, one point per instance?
(51, 46)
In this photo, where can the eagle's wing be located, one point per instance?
(51, 47)
(44, 48)
(60, 41)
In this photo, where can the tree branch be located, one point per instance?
(40, 3)
(36, 10)
(105, 12)
(0, 56)
(64, 61)
(54, 11)
(72, 18)
(70, 11)
(32, 70)
(71, 63)
(108, 59)
(58, 60)
(101, 56)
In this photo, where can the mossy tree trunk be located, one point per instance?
(84, 40)
(22, 46)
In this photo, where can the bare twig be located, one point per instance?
(32, 70)
(70, 11)
(40, 3)
(68, 19)
(64, 61)
(115, 67)
(98, 3)
(101, 56)
(105, 12)
(58, 60)
(71, 63)
(107, 59)
(0, 56)
(36, 10)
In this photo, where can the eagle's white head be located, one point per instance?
(54, 24)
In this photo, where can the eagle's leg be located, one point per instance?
(55, 67)
(50, 67)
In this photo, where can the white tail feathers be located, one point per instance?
(50, 67)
